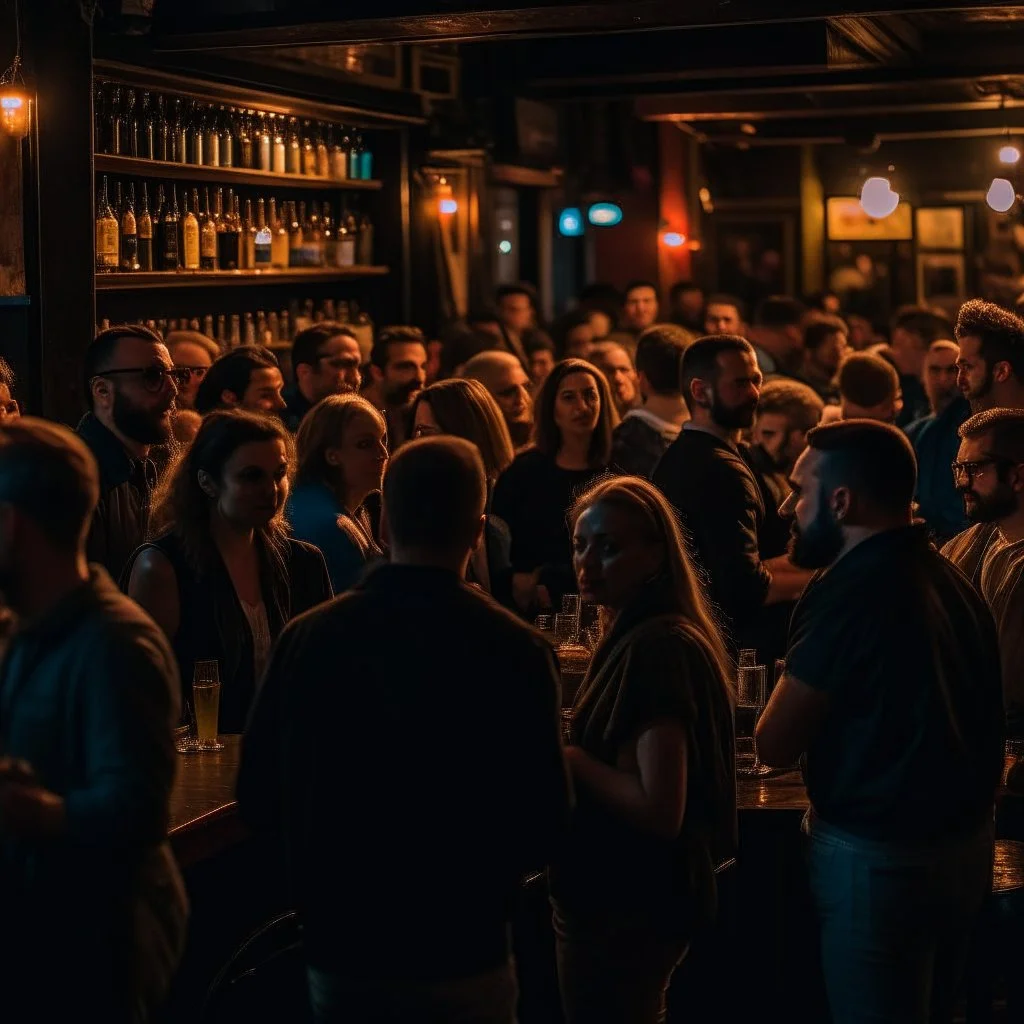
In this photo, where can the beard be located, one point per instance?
(733, 417)
(980, 397)
(819, 545)
(146, 426)
(990, 508)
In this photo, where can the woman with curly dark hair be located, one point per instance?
(222, 576)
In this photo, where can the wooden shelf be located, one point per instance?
(232, 278)
(132, 167)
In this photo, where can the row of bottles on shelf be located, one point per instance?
(137, 238)
(273, 328)
(186, 131)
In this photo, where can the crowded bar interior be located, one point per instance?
(512, 514)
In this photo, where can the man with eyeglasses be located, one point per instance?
(195, 353)
(989, 474)
(130, 387)
(325, 361)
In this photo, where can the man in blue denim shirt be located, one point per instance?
(892, 689)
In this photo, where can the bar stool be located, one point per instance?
(999, 946)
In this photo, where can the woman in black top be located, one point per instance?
(651, 754)
(222, 576)
(572, 439)
(464, 408)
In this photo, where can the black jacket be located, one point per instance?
(121, 520)
(722, 508)
(406, 740)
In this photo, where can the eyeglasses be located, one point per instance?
(199, 372)
(972, 469)
(153, 377)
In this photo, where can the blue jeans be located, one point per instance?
(488, 998)
(896, 922)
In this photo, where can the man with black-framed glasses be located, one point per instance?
(325, 361)
(130, 387)
(989, 474)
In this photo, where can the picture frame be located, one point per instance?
(846, 221)
(940, 227)
(941, 277)
(754, 254)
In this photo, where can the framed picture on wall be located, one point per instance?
(940, 227)
(846, 221)
(754, 255)
(941, 278)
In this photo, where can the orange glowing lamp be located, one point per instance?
(15, 110)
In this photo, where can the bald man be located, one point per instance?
(504, 377)
(936, 441)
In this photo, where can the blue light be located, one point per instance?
(570, 222)
(604, 215)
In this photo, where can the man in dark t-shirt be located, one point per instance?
(892, 689)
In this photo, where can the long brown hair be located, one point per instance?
(464, 408)
(322, 428)
(546, 435)
(649, 506)
(182, 507)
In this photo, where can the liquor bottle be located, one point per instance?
(264, 239)
(107, 256)
(194, 133)
(190, 235)
(114, 121)
(294, 239)
(245, 143)
(211, 138)
(293, 157)
(179, 135)
(227, 236)
(330, 239)
(235, 336)
(100, 142)
(315, 238)
(145, 232)
(338, 164)
(118, 206)
(323, 156)
(249, 330)
(364, 243)
(129, 233)
(170, 256)
(208, 325)
(146, 140)
(354, 158)
(277, 134)
(207, 236)
(273, 327)
(262, 329)
(346, 154)
(130, 127)
(346, 242)
(161, 131)
(279, 239)
(308, 150)
(227, 138)
(247, 259)
(365, 161)
(266, 146)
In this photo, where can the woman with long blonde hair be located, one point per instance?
(651, 754)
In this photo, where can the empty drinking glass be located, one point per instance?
(748, 656)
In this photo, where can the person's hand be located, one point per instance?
(28, 811)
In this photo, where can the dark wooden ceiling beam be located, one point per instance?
(210, 24)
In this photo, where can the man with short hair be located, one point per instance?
(130, 387)
(892, 691)
(473, 769)
(777, 335)
(869, 388)
(706, 477)
(914, 328)
(991, 362)
(686, 306)
(615, 363)
(325, 361)
(989, 475)
(639, 307)
(824, 349)
(936, 439)
(93, 906)
(195, 352)
(786, 411)
(398, 373)
(725, 314)
(506, 380)
(517, 314)
(640, 440)
(247, 378)
(540, 350)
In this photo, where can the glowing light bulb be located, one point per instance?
(504, 247)
(15, 109)
(604, 215)
(1009, 155)
(448, 206)
(570, 222)
(877, 198)
(673, 239)
(1001, 195)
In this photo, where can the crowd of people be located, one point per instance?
(714, 479)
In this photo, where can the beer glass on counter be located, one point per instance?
(206, 704)
(751, 697)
